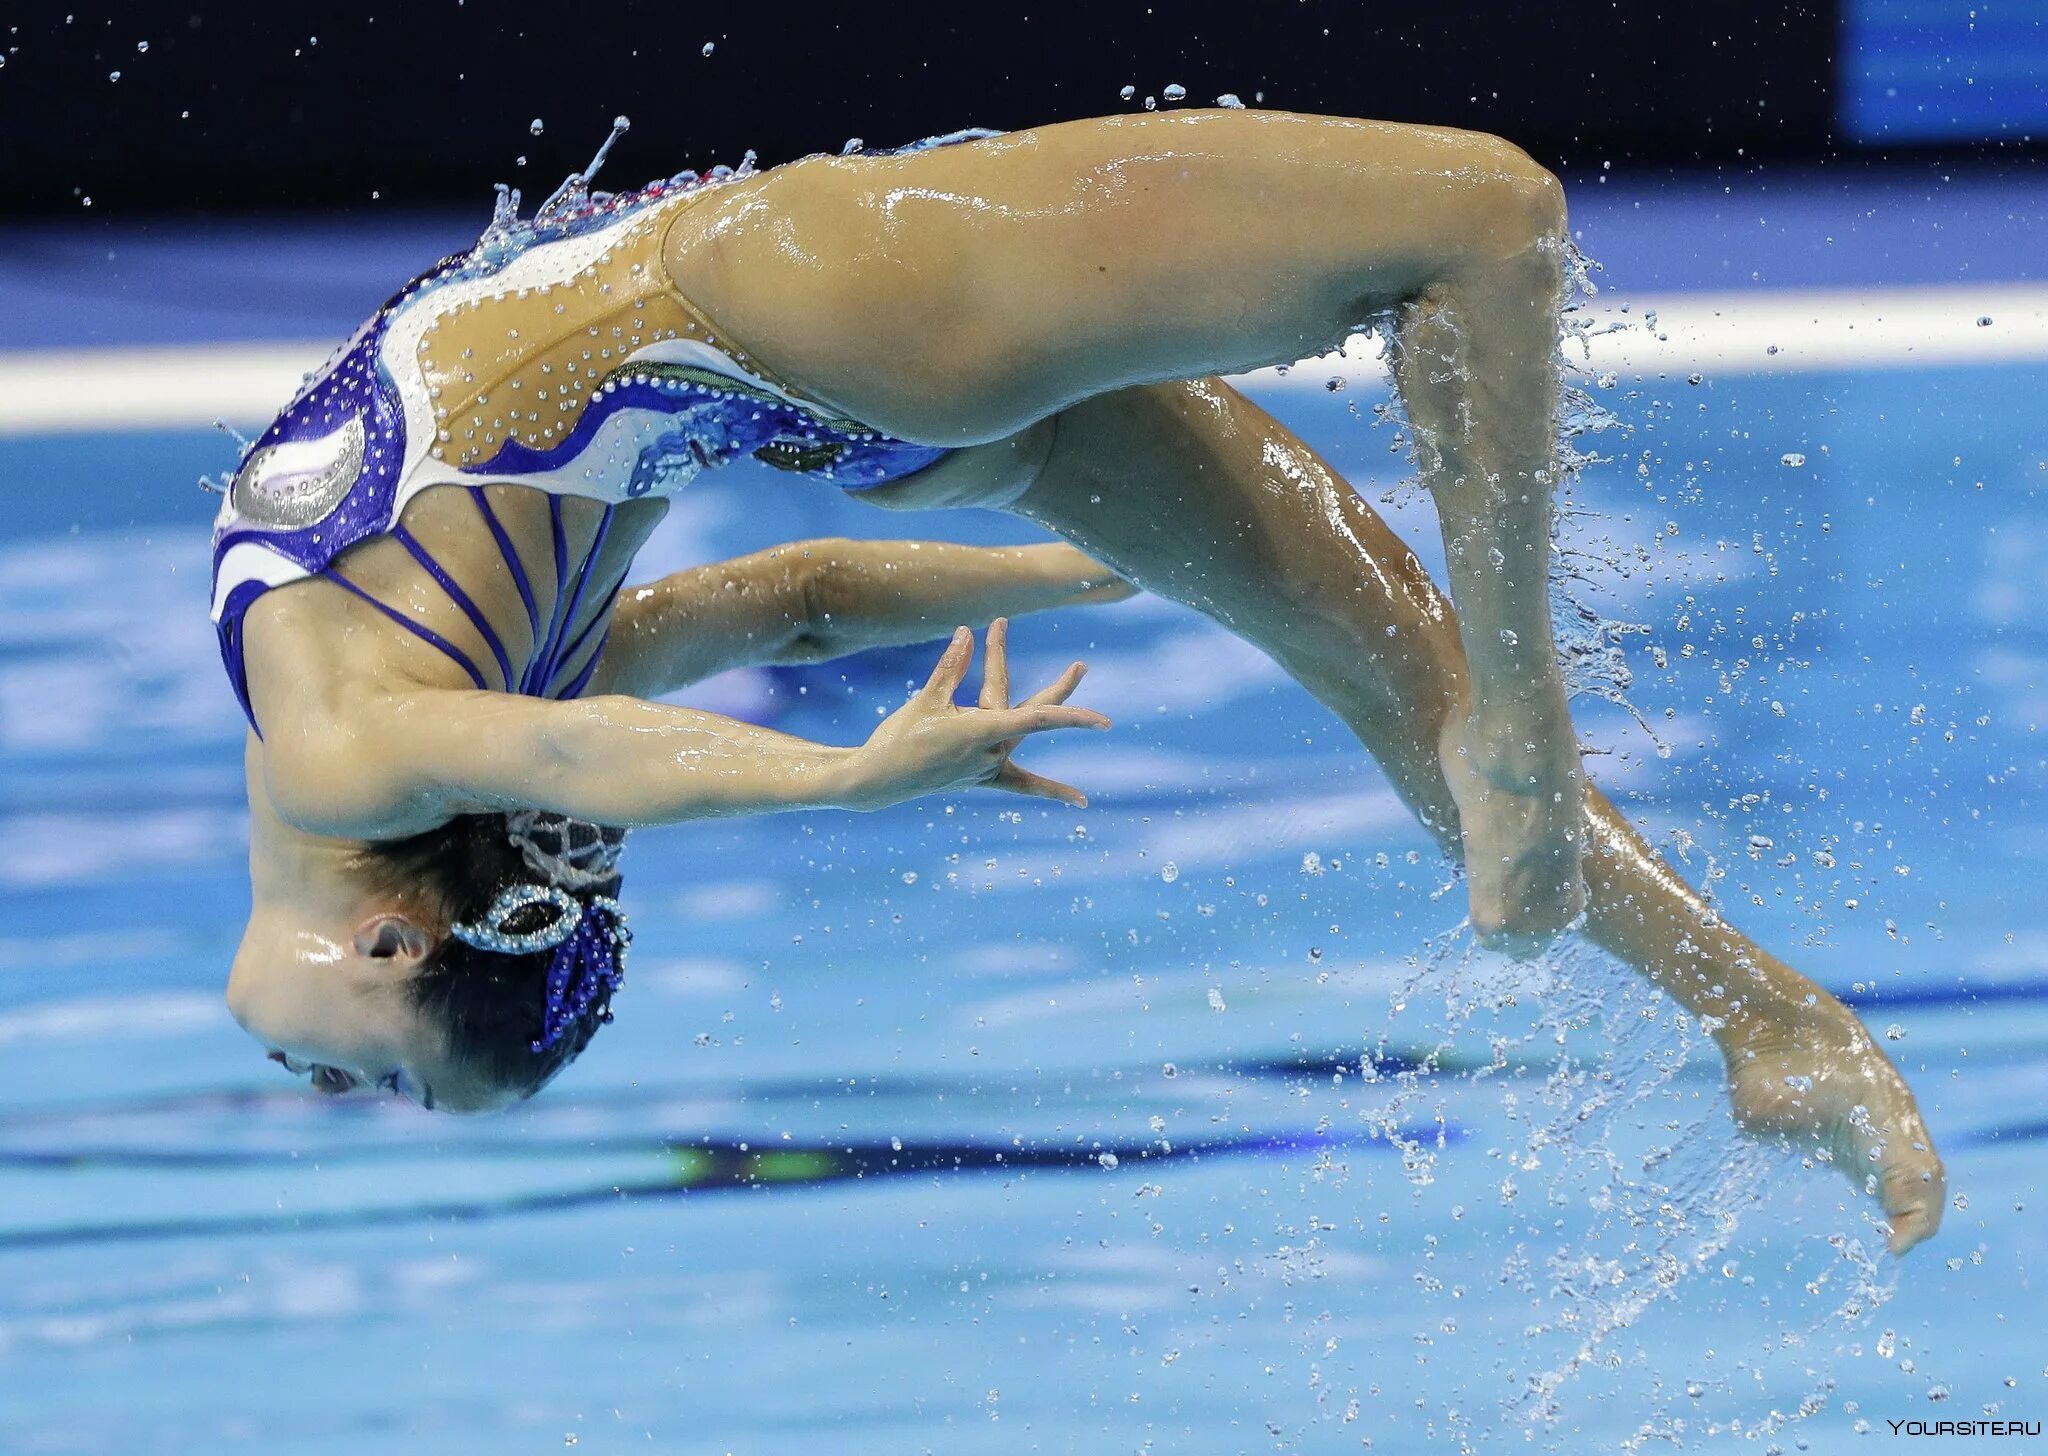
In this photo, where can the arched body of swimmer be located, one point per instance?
(1051, 304)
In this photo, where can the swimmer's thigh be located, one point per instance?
(956, 294)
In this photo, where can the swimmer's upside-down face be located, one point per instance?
(339, 1002)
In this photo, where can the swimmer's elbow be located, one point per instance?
(822, 593)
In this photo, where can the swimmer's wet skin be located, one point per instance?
(417, 568)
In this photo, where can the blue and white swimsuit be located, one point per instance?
(556, 355)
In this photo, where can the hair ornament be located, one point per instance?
(589, 941)
(565, 852)
(494, 932)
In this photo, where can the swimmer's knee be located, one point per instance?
(1518, 204)
(990, 476)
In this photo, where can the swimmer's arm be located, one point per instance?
(410, 761)
(812, 601)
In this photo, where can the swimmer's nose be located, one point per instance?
(277, 1057)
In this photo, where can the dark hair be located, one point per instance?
(490, 1005)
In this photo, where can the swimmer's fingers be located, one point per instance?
(1000, 725)
(995, 665)
(951, 670)
(1059, 690)
(1015, 780)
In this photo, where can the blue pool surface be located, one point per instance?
(835, 1180)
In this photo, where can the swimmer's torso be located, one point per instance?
(556, 357)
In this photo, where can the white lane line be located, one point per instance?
(177, 386)
(1721, 334)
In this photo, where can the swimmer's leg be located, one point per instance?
(1198, 495)
(961, 294)
(1474, 357)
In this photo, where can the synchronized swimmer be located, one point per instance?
(419, 568)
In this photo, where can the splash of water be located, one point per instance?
(1607, 1127)
(1590, 644)
(574, 203)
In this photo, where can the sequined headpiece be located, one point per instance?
(588, 936)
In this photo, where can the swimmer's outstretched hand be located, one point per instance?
(931, 744)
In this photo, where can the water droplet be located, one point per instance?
(1983, 320)
(1509, 637)
(1175, 92)
(710, 46)
(535, 126)
(1694, 378)
(910, 877)
(1895, 1032)
(142, 48)
(1229, 101)
(1169, 1070)
(1216, 999)
(1108, 1160)
(113, 75)
(1169, 872)
(1792, 459)
(1128, 92)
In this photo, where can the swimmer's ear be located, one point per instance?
(392, 938)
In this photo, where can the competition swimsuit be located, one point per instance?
(557, 354)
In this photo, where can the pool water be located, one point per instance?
(1184, 1123)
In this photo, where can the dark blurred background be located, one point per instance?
(199, 106)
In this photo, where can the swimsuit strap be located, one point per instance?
(458, 596)
(582, 679)
(568, 654)
(558, 655)
(532, 683)
(539, 674)
(511, 555)
(426, 634)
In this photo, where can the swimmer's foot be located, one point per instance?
(1521, 811)
(1817, 1082)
